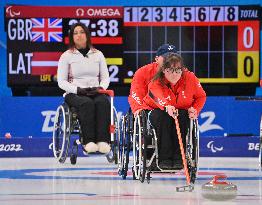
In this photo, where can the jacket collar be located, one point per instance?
(75, 51)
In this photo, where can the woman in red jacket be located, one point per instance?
(173, 88)
(144, 75)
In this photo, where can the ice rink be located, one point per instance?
(37, 181)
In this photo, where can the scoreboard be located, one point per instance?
(219, 43)
(38, 35)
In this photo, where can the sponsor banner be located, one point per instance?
(229, 146)
(26, 147)
(221, 116)
(30, 147)
(209, 147)
(34, 116)
(227, 116)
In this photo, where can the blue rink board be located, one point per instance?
(29, 122)
(34, 116)
(209, 147)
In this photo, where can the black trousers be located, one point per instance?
(165, 127)
(93, 113)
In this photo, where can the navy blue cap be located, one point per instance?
(166, 48)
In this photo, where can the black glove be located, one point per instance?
(95, 90)
(92, 91)
(88, 91)
(82, 91)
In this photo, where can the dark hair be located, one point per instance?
(170, 60)
(71, 35)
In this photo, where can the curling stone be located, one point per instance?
(218, 189)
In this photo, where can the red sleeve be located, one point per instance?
(199, 95)
(138, 89)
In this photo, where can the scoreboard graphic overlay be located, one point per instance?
(219, 43)
(38, 35)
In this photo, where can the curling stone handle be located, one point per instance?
(219, 177)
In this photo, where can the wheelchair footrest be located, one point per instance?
(85, 153)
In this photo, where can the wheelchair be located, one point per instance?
(66, 125)
(125, 143)
(138, 135)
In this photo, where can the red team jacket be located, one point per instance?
(139, 85)
(185, 93)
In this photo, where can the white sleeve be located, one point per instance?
(104, 74)
(63, 73)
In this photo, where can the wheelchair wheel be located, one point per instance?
(193, 150)
(139, 147)
(61, 133)
(124, 145)
(74, 152)
(113, 155)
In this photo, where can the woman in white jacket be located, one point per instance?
(82, 70)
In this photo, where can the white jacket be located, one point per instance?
(75, 70)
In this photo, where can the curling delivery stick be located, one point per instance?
(183, 158)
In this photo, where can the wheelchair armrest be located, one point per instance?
(107, 92)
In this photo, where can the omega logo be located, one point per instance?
(80, 12)
(97, 12)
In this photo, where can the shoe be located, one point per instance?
(165, 164)
(177, 164)
(91, 147)
(103, 147)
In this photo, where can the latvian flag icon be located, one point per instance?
(45, 63)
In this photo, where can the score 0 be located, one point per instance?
(248, 51)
